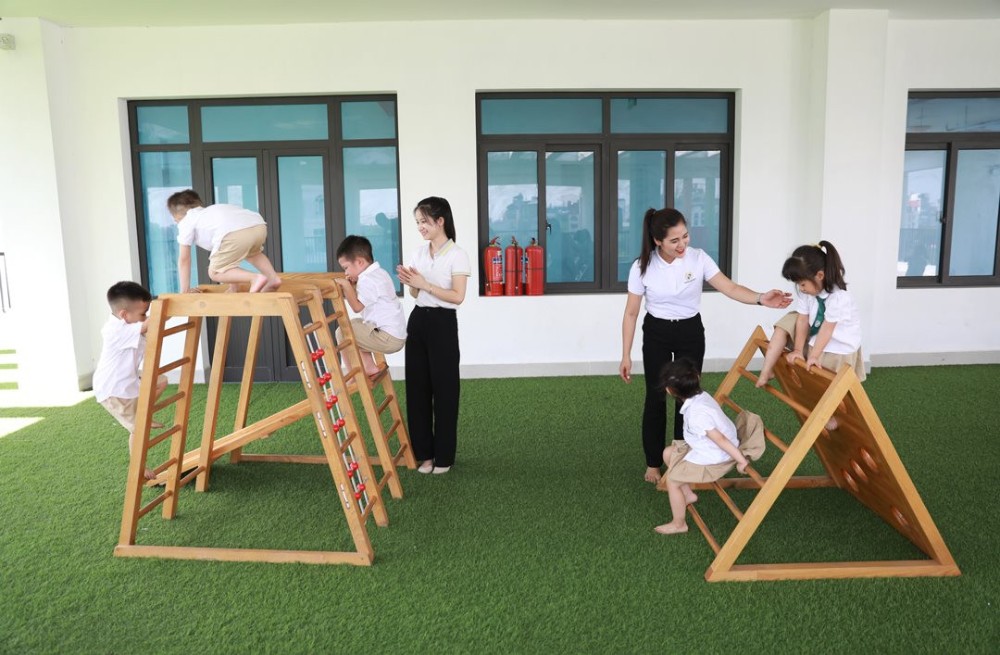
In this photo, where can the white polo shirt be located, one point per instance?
(839, 309)
(382, 307)
(117, 373)
(207, 226)
(673, 291)
(438, 269)
(701, 413)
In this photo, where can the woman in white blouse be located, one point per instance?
(669, 275)
(437, 276)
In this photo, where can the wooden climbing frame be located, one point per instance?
(327, 400)
(858, 457)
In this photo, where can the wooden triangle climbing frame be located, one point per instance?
(327, 400)
(858, 457)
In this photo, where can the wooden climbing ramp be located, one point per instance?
(858, 457)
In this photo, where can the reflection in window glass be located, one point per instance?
(665, 115)
(923, 205)
(953, 115)
(235, 181)
(512, 190)
(371, 202)
(974, 226)
(375, 119)
(641, 185)
(542, 116)
(162, 174)
(302, 214)
(697, 195)
(264, 123)
(569, 214)
(162, 124)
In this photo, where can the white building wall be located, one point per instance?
(820, 124)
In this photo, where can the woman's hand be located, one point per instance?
(411, 277)
(625, 369)
(776, 299)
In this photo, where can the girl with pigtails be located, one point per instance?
(669, 275)
(824, 329)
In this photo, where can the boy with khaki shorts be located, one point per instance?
(116, 379)
(369, 290)
(712, 442)
(230, 233)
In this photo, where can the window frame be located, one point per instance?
(606, 145)
(951, 143)
(331, 148)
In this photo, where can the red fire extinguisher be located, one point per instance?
(513, 284)
(493, 268)
(534, 269)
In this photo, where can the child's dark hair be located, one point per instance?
(682, 377)
(122, 293)
(655, 224)
(354, 247)
(807, 261)
(435, 208)
(185, 199)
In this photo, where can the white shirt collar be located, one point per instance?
(371, 268)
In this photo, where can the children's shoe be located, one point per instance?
(426, 467)
(438, 470)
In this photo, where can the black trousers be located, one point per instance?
(432, 383)
(664, 341)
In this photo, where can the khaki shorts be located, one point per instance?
(372, 339)
(749, 430)
(123, 409)
(237, 246)
(829, 361)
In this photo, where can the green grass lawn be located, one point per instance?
(539, 540)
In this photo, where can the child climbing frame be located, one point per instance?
(858, 457)
(327, 400)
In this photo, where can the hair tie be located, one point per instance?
(818, 247)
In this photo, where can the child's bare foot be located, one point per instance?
(671, 528)
(233, 288)
(149, 474)
(156, 425)
(653, 474)
(372, 372)
(764, 378)
(832, 424)
(259, 283)
(691, 498)
(272, 284)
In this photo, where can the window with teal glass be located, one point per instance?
(541, 116)
(669, 115)
(697, 195)
(302, 214)
(162, 174)
(512, 188)
(221, 123)
(166, 125)
(374, 119)
(371, 202)
(641, 185)
(950, 202)
(569, 216)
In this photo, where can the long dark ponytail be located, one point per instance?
(655, 224)
(434, 207)
(807, 261)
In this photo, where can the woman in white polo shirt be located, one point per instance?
(437, 276)
(669, 275)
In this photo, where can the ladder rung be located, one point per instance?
(163, 435)
(174, 364)
(313, 327)
(347, 442)
(372, 381)
(392, 429)
(190, 475)
(336, 316)
(727, 500)
(183, 327)
(165, 465)
(380, 484)
(385, 403)
(345, 344)
(372, 499)
(153, 503)
(167, 402)
(713, 544)
(399, 455)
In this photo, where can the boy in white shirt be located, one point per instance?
(116, 379)
(369, 290)
(710, 447)
(230, 233)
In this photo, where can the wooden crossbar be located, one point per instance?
(183, 327)
(177, 363)
(166, 434)
(167, 402)
(713, 544)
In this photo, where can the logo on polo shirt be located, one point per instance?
(688, 276)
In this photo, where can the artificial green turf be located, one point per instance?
(539, 540)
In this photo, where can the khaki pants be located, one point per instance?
(372, 339)
(829, 361)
